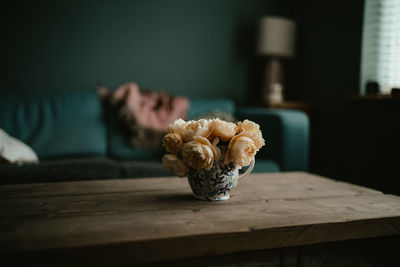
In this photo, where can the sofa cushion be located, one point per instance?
(79, 169)
(94, 168)
(139, 169)
(151, 168)
(56, 123)
(57, 170)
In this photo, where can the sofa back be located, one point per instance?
(70, 123)
(200, 106)
(57, 123)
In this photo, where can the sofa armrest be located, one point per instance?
(286, 133)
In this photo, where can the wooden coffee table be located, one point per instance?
(128, 221)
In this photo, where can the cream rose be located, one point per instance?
(247, 125)
(172, 143)
(177, 127)
(199, 153)
(197, 128)
(223, 129)
(215, 148)
(174, 164)
(241, 151)
(256, 137)
(252, 131)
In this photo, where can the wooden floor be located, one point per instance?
(121, 222)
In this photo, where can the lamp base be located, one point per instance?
(274, 94)
(273, 81)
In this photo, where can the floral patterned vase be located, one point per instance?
(216, 183)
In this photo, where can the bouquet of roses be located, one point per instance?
(198, 144)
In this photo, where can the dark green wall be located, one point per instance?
(189, 47)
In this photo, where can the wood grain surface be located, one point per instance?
(156, 219)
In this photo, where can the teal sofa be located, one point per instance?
(77, 139)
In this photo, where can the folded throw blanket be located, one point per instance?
(146, 114)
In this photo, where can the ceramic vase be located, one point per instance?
(217, 182)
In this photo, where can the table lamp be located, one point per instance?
(276, 40)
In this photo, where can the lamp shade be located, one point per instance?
(276, 37)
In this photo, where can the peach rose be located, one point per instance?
(199, 153)
(197, 128)
(177, 127)
(252, 131)
(241, 151)
(216, 150)
(174, 164)
(172, 143)
(223, 129)
(247, 125)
